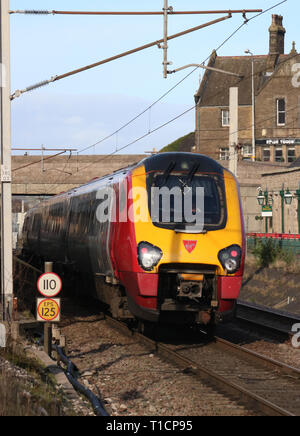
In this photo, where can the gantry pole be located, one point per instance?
(165, 46)
(6, 199)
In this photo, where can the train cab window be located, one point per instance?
(214, 200)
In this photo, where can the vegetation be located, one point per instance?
(267, 252)
(185, 143)
(26, 389)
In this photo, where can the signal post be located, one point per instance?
(48, 308)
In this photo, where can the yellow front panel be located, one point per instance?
(171, 243)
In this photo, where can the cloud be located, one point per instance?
(73, 121)
(79, 121)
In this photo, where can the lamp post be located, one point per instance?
(266, 203)
(263, 199)
(287, 198)
(282, 210)
(298, 196)
(253, 104)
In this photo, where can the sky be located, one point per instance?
(82, 110)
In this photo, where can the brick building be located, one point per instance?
(277, 103)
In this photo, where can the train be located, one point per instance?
(162, 240)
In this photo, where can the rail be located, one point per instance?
(204, 371)
(278, 320)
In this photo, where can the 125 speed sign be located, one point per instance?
(48, 309)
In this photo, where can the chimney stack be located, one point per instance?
(277, 33)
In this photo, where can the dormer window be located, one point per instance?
(280, 105)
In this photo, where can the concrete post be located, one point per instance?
(233, 129)
(6, 201)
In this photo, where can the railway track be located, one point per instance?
(276, 320)
(260, 383)
(134, 380)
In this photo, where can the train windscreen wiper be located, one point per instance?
(167, 173)
(192, 173)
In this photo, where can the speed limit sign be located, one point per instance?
(48, 309)
(49, 285)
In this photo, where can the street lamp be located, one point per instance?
(253, 104)
(261, 198)
(288, 197)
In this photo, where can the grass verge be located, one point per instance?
(27, 389)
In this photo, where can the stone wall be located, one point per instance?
(34, 176)
(249, 176)
(274, 182)
(211, 136)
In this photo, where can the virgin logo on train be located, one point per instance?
(190, 245)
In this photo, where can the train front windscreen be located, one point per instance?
(180, 200)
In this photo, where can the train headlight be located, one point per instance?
(148, 255)
(230, 258)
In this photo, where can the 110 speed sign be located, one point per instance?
(49, 285)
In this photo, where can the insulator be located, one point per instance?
(36, 12)
(37, 85)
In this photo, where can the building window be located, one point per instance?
(291, 154)
(225, 118)
(278, 155)
(224, 153)
(266, 155)
(247, 151)
(280, 103)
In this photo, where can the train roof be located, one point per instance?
(182, 161)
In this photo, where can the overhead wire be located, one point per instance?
(158, 43)
(182, 114)
(164, 95)
(171, 11)
(38, 161)
(54, 78)
(179, 82)
(174, 119)
(163, 125)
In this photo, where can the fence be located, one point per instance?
(285, 241)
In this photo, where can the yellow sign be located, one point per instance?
(48, 309)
